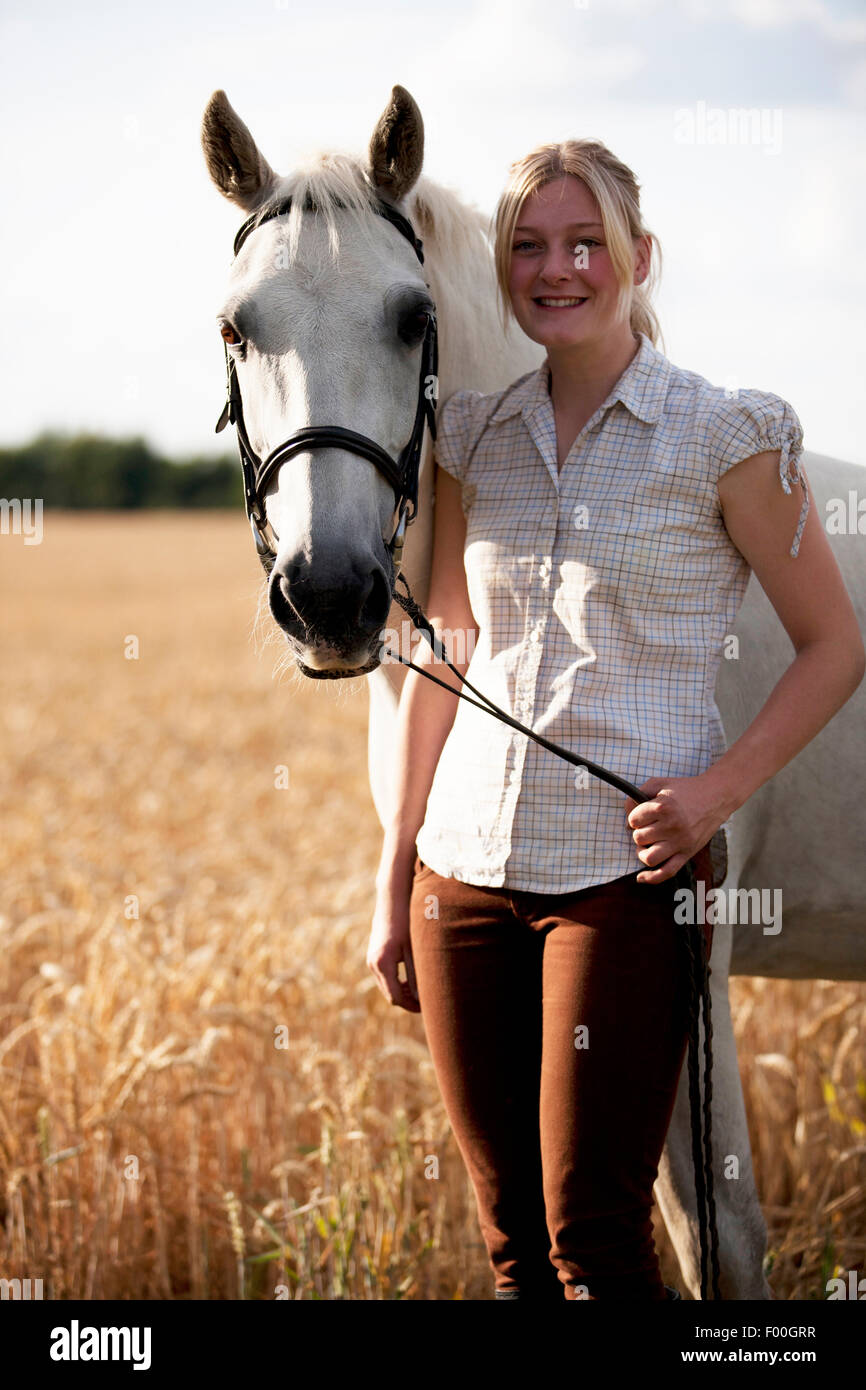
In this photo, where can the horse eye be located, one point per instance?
(413, 325)
(228, 335)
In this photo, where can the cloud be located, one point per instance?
(777, 14)
(840, 23)
(500, 43)
(854, 84)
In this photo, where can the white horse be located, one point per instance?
(319, 305)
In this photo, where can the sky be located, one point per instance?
(115, 245)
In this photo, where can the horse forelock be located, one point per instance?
(342, 196)
(338, 185)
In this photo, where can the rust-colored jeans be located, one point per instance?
(557, 1026)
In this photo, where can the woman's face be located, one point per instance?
(559, 256)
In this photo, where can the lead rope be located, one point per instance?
(698, 977)
(697, 964)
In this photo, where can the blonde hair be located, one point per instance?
(617, 193)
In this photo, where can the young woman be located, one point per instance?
(595, 527)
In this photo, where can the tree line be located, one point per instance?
(93, 471)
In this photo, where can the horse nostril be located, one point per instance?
(288, 576)
(286, 583)
(351, 606)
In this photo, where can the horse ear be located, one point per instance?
(240, 172)
(397, 146)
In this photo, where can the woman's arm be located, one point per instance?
(424, 718)
(813, 605)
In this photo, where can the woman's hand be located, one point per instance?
(390, 944)
(677, 818)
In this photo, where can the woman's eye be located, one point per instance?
(584, 241)
(228, 335)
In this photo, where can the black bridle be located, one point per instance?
(402, 475)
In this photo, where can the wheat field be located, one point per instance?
(202, 1093)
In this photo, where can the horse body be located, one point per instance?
(323, 334)
(803, 831)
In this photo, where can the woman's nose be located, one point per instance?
(558, 265)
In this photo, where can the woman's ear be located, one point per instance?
(642, 259)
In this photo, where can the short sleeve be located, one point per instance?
(455, 433)
(751, 423)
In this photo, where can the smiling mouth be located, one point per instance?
(558, 302)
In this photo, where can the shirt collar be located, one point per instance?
(642, 388)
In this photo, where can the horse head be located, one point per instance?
(326, 321)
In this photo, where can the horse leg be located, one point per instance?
(382, 721)
(740, 1222)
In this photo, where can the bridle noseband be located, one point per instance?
(402, 474)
